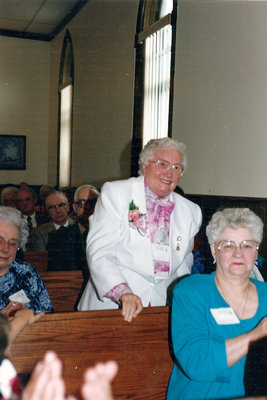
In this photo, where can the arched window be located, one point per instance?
(66, 81)
(155, 44)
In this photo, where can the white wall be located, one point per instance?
(24, 97)
(103, 41)
(221, 96)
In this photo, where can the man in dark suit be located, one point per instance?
(25, 201)
(85, 198)
(60, 236)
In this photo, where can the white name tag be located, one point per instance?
(224, 316)
(20, 297)
(161, 252)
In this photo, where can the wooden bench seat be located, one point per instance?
(64, 288)
(141, 348)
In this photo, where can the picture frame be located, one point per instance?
(12, 152)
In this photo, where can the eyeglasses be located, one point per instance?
(229, 246)
(85, 203)
(60, 205)
(163, 165)
(12, 244)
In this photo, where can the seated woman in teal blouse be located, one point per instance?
(215, 317)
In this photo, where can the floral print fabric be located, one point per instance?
(22, 276)
(159, 213)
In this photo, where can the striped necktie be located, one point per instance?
(29, 220)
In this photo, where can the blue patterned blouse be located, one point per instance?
(22, 276)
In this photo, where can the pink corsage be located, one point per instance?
(137, 220)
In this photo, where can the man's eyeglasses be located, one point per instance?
(163, 165)
(229, 246)
(12, 244)
(60, 205)
(86, 203)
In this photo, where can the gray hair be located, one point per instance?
(11, 216)
(59, 192)
(234, 218)
(86, 186)
(8, 190)
(153, 145)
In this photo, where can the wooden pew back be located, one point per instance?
(83, 338)
(38, 259)
(63, 288)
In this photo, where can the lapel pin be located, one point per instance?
(178, 239)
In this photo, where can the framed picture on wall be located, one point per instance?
(12, 152)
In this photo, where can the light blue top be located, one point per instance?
(200, 370)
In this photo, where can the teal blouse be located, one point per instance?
(200, 369)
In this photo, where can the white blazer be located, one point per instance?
(117, 253)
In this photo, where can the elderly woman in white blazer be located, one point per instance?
(141, 234)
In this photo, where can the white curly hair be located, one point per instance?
(234, 218)
(13, 217)
(148, 152)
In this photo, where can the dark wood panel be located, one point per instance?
(210, 204)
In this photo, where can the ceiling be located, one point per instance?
(36, 19)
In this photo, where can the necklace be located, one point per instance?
(239, 308)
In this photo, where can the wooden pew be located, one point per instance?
(141, 348)
(64, 288)
(38, 259)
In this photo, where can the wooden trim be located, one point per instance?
(156, 26)
(65, 84)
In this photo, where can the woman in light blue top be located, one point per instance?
(215, 317)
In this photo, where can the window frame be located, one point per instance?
(148, 22)
(66, 78)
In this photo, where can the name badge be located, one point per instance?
(224, 316)
(20, 297)
(161, 252)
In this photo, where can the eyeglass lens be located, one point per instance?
(86, 203)
(11, 243)
(165, 166)
(245, 245)
(60, 205)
